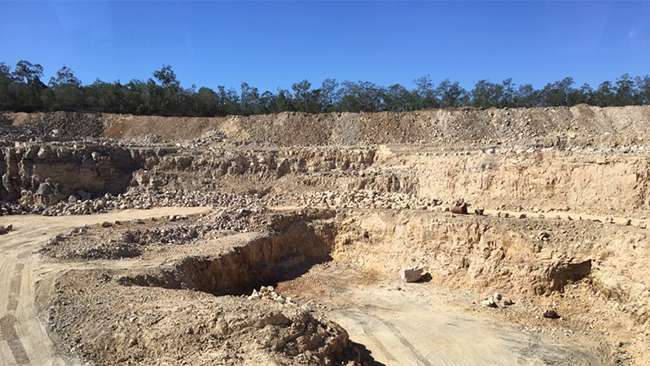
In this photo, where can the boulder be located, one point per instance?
(411, 274)
(85, 196)
(489, 303)
(551, 314)
(5, 229)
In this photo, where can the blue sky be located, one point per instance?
(274, 44)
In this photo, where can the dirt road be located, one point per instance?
(400, 328)
(23, 337)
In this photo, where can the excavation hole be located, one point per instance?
(264, 261)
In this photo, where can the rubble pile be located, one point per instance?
(140, 199)
(370, 199)
(268, 293)
(115, 240)
(497, 301)
(208, 138)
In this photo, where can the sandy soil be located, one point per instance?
(23, 276)
(400, 324)
(420, 324)
(401, 329)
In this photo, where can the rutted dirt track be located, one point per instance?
(25, 340)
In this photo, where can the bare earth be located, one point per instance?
(548, 265)
(417, 324)
(25, 340)
(400, 324)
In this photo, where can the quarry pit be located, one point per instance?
(281, 239)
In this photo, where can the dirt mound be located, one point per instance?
(156, 326)
(60, 124)
(523, 126)
(9, 132)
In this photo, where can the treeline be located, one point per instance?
(23, 90)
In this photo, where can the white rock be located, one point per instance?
(489, 303)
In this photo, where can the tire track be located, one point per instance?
(369, 332)
(14, 287)
(418, 356)
(9, 334)
(24, 340)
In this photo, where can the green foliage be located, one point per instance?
(64, 92)
(23, 90)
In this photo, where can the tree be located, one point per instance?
(27, 90)
(486, 94)
(363, 96)
(228, 101)
(283, 102)
(101, 96)
(557, 93)
(162, 94)
(604, 95)
(137, 99)
(166, 94)
(64, 92)
(526, 96)
(643, 89)
(328, 95)
(250, 100)
(305, 99)
(6, 80)
(399, 99)
(425, 93)
(451, 94)
(267, 101)
(207, 102)
(582, 95)
(166, 77)
(508, 93)
(625, 91)
(28, 73)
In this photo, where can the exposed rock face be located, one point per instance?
(200, 168)
(563, 272)
(545, 171)
(47, 173)
(265, 259)
(472, 250)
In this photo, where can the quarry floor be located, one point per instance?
(25, 340)
(400, 324)
(419, 324)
